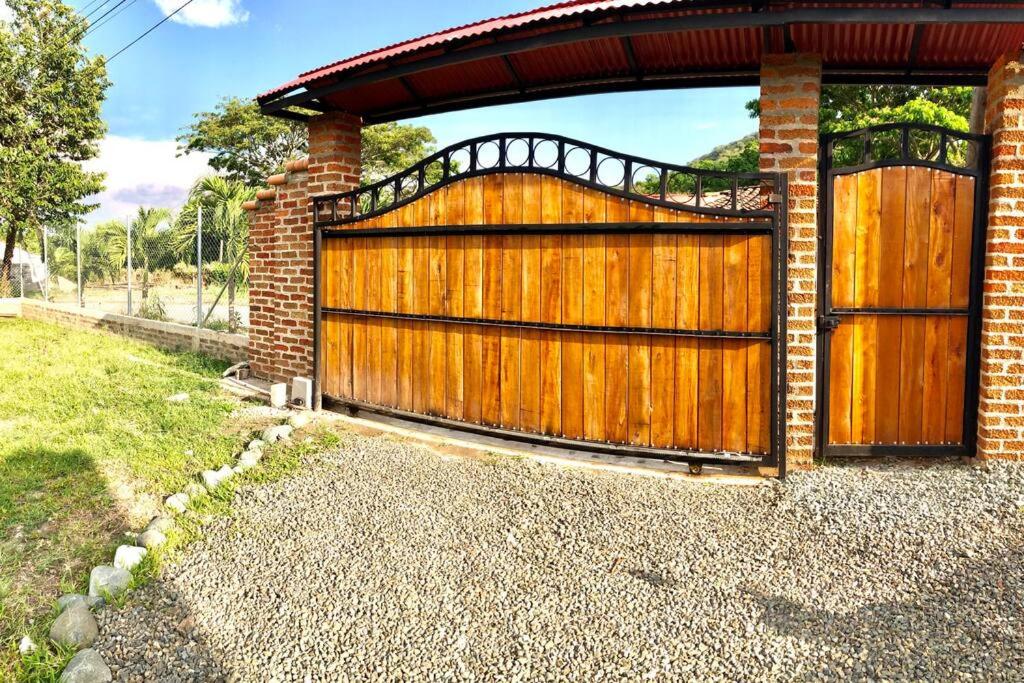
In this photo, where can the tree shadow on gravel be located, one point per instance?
(969, 625)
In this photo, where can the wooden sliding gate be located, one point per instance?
(900, 268)
(538, 288)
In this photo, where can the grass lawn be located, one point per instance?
(89, 445)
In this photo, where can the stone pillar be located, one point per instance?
(790, 93)
(281, 248)
(1001, 399)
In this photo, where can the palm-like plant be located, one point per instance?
(224, 219)
(150, 240)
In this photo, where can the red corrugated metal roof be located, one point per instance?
(565, 56)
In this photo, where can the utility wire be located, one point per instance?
(94, 11)
(113, 16)
(84, 31)
(150, 29)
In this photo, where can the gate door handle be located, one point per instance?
(827, 323)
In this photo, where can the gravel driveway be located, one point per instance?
(386, 561)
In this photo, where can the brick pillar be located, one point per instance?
(281, 248)
(1001, 400)
(790, 92)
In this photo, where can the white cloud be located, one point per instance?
(142, 173)
(5, 12)
(208, 13)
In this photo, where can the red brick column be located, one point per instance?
(1001, 400)
(281, 248)
(790, 93)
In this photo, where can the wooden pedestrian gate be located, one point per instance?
(900, 280)
(539, 288)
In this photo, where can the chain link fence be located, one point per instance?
(184, 272)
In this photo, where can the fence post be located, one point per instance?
(199, 266)
(46, 269)
(78, 261)
(128, 233)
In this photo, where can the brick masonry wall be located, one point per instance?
(790, 94)
(1001, 400)
(281, 247)
(171, 336)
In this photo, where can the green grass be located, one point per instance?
(89, 446)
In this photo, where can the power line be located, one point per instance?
(113, 16)
(84, 31)
(150, 29)
(86, 16)
(100, 18)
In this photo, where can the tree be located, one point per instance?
(50, 97)
(224, 219)
(149, 241)
(248, 146)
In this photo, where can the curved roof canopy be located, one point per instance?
(592, 46)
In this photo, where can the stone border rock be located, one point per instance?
(76, 626)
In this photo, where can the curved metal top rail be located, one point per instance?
(905, 144)
(713, 193)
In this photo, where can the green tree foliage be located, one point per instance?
(248, 146)
(150, 242)
(50, 96)
(224, 220)
(740, 156)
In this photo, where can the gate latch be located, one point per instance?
(827, 323)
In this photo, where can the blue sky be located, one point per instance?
(216, 48)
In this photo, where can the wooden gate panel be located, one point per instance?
(901, 246)
(606, 378)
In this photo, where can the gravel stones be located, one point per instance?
(276, 433)
(86, 667)
(177, 502)
(129, 556)
(75, 627)
(388, 561)
(106, 581)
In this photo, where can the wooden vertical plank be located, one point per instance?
(688, 287)
(529, 414)
(345, 322)
(594, 299)
(328, 326)
(758, 354)
(663, 315)
(473, 270)
(641, 263)
(437, 305)
(389, 328)
(890, 292)
(844, 236)
(915, 283)
(616, 315)
(956, 372)
(511, 300)
(454, 292)
(405, 304)
(421, 305)
(734, 351)
(963, 224)
(491, 363)
(572, 314)
(358, 323)
(936, 339)
(840, 406)
(551, 309)
(865, 295)
(710, 389)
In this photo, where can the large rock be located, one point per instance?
(161, 523)
(129, 556)
(109, 581)
(194, 490)
(214, 478)
(86, 667)
(177, 502)
(151, 538)
(249, 459)
(26, 646)
(277, 433)
(75, 627)
(92, 602)
(300, 420)
(256, 445)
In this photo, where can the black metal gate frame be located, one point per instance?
(770, 220)
(828, 317)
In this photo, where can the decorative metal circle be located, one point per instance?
(517, 152)
(433, 172)
(577, 162)
(611, 171)
(545, 154)
(646, 180)
(409, 186)
(487, 154)
(458, 161)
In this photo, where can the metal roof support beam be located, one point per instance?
(836, 15)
